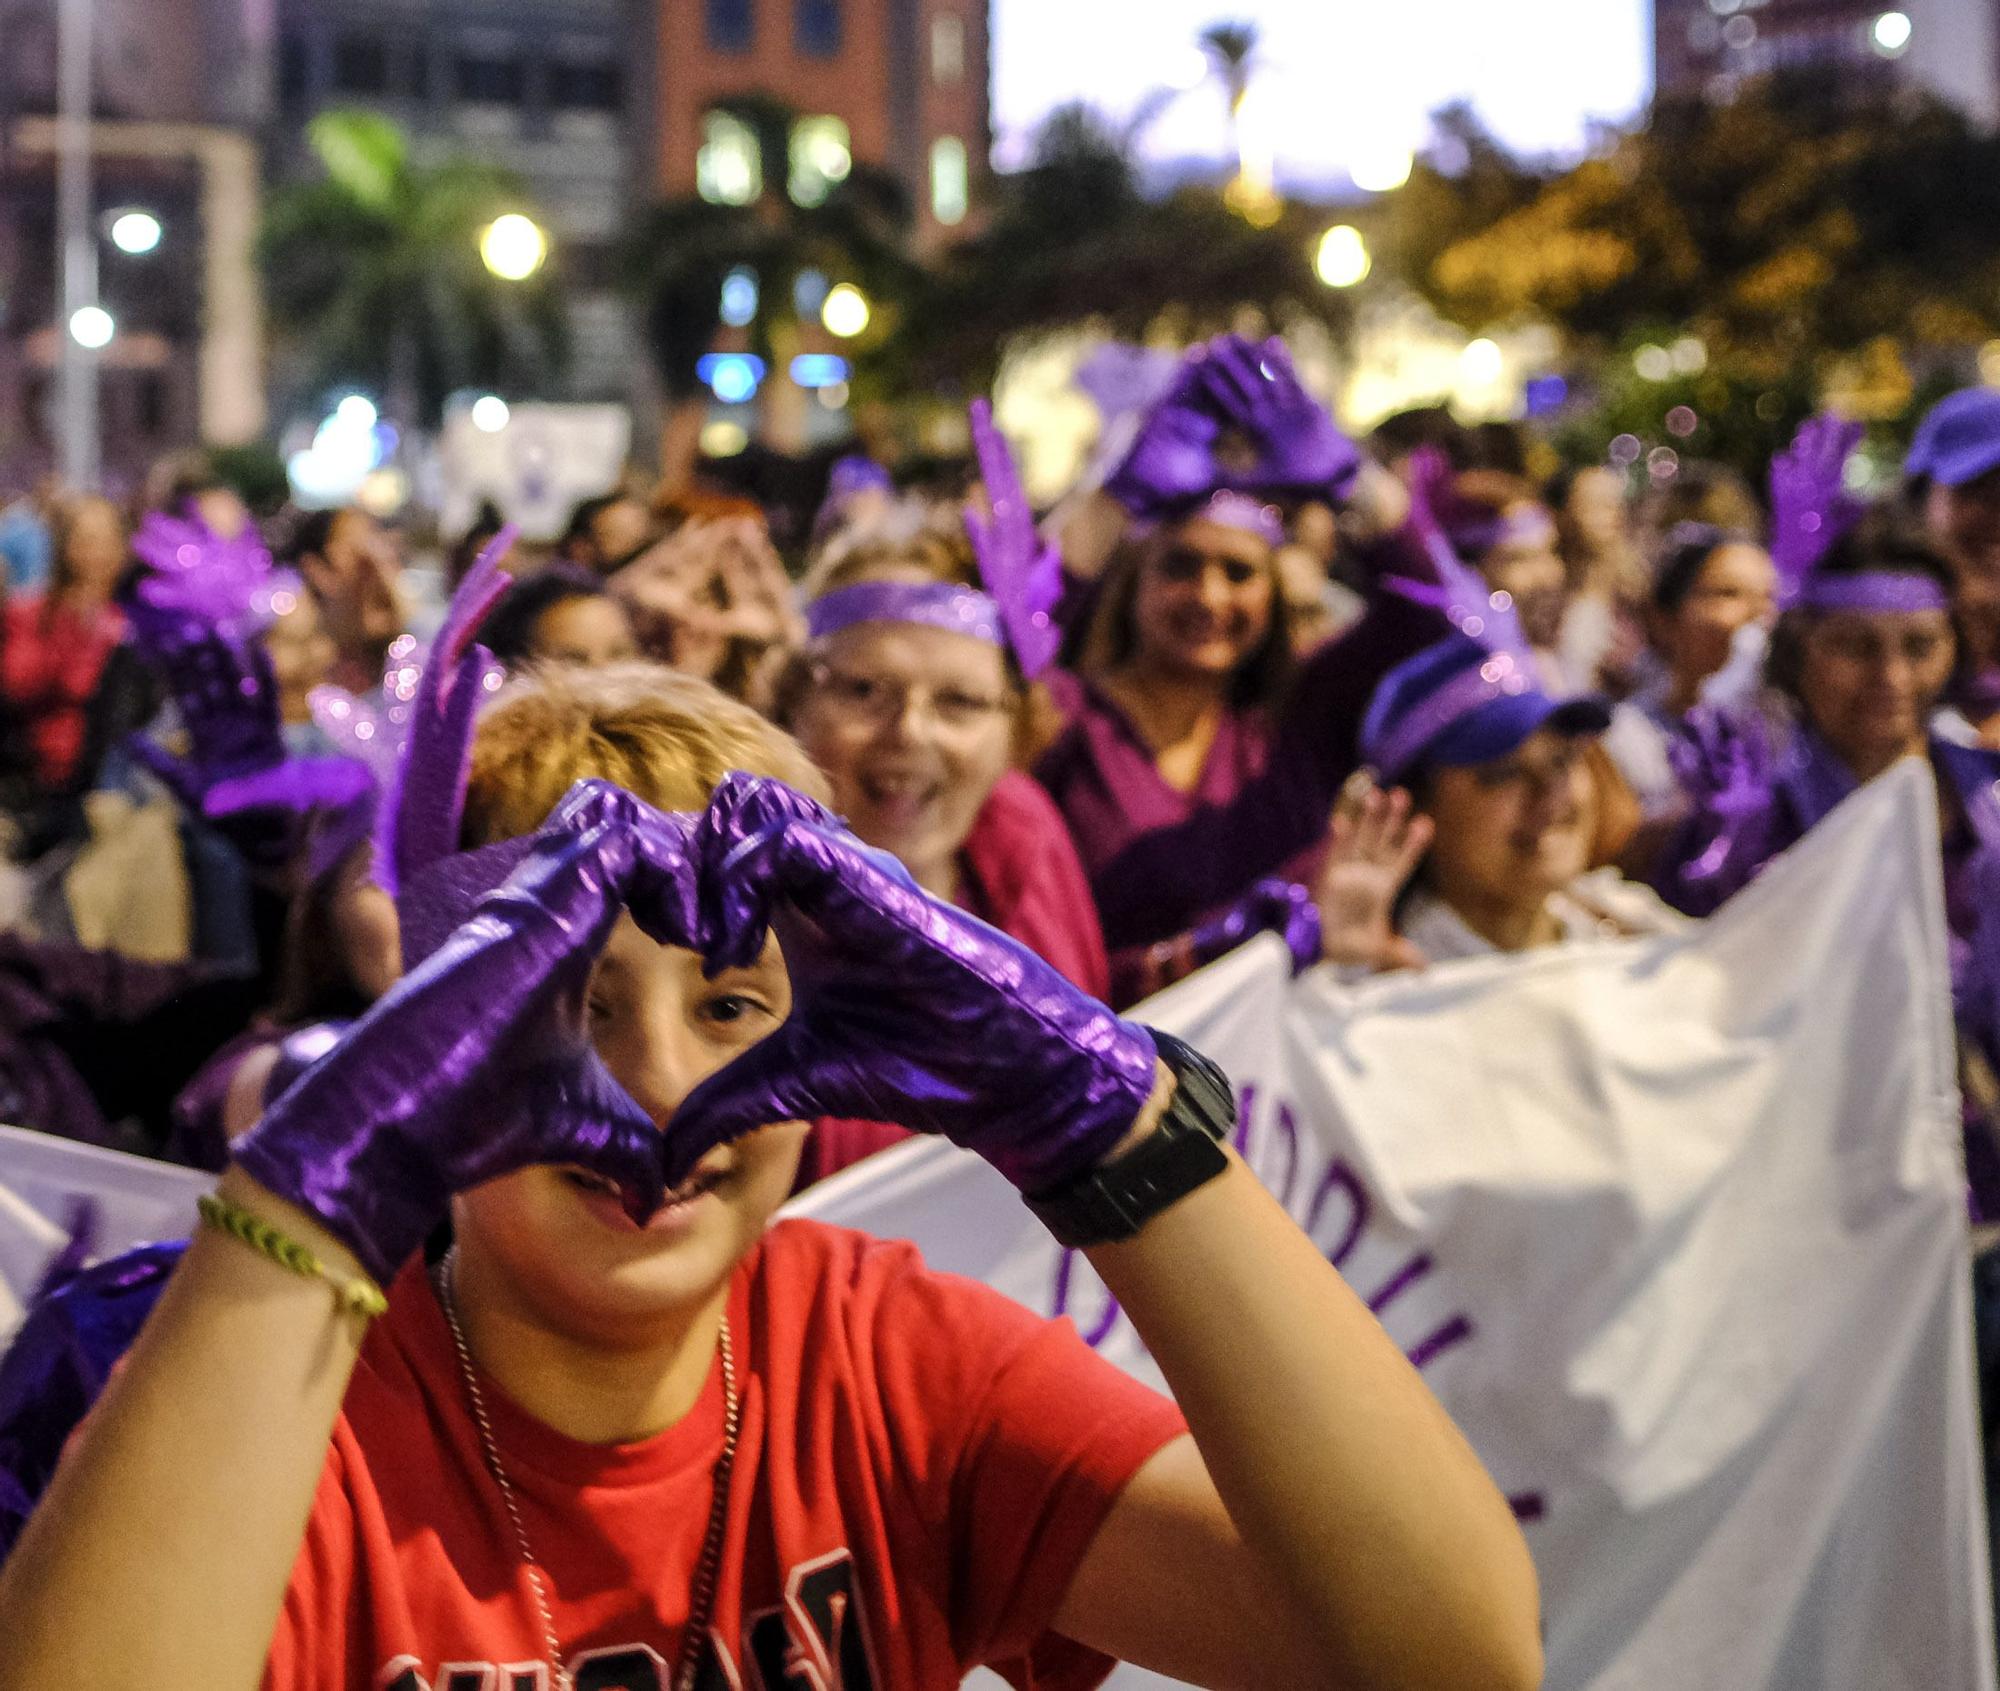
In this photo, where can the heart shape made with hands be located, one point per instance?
(905, 1009)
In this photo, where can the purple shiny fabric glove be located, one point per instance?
(1272, 906)
(199, 618)
(1810, 505)
(904, 1009)
(1172, 459)
(1021, 570)
(422, 807)
(476, 1063)
(1455, 590)
(1300, 451)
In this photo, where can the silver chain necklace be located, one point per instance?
(702, 1605)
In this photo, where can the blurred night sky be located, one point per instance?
(1335, 77)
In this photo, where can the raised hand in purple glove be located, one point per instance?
(1299, 449)
(199, 618)
(1021, 570)
(904, 1009)
(477, 1063)
(1810, 505)
(1172, 459)
(1273, 906)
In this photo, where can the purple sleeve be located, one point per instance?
(1166, 880)
(1736, 818)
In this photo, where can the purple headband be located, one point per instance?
(931, 604)
(1500, 676)
(1238, 510)
(1874, 590)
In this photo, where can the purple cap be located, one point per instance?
(1458, 703)
(1959, 439)
(932, 604)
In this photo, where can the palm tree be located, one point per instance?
(374, 272)
(1231, 50)
(1072, 241)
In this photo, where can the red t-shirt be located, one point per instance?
(51, 660)
(921, 1467)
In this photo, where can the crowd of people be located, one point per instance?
(429, 924)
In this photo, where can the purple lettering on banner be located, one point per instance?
(1288, 1125)
(1338, 1174)
(1426, 1351)
(1403, 1279)
(1528, 1505)
(1093, 1336)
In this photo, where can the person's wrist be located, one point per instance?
(246, 1192)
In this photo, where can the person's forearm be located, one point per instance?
(1342, 1473)
(161, 1552)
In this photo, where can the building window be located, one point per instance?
(728, 170)
(819, 158)
(947, 48)
(360, 64)
(816, 27)
(732, 25)
(580, 87)
(948, 180)
(492, 79)
(413, 77)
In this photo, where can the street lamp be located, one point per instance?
(513, 247)
(92, 327)
(135, 232)
(1343, 259)
(846, 311)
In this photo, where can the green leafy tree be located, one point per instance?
(373, 273)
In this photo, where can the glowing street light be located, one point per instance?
(513, 247)
(1343, 258)
(846, 311)
(490, 413)
(1380, 169)
(91, 326)
(1891, 34)
(135, 232)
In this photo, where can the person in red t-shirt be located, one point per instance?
(57, 643)
(622, 1432)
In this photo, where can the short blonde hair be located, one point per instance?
(663, 736)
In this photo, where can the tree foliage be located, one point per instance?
(372, 271)
(1796, 222)
(1072, 240)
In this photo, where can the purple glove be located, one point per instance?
(1299, 450)
(1021, 570)
(904, 1009)
(1810, 505)
(425, 800)
(199, 619)
(1172, 461)
(1272, 906)
(475, 1064)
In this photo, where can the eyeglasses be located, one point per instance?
(878, 700)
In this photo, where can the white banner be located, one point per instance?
(43, 1181)
(1674, 1227)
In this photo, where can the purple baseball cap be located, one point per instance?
(1458, 703)
(1959, 439)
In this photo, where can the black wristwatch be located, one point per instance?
(1114, 1201)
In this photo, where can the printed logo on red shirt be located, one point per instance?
(815, 1640)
